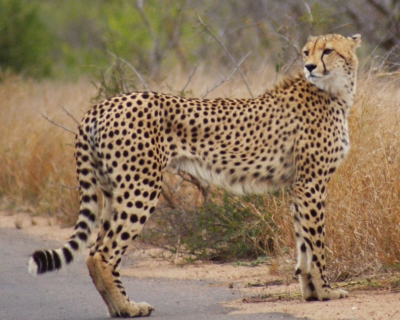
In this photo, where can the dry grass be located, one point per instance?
(363, 203)
(37, 157)
(363, 220)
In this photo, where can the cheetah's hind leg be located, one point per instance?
(121, 225)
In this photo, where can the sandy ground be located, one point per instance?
(147, 261)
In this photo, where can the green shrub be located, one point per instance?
(24, 40)
(223, 228)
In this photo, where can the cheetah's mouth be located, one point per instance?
(311, 75)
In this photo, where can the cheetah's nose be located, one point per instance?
(310, 67)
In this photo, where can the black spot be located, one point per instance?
(74, 245)
(82, 236)
(106, 225)
(82, 225)
(40, 258)
(107, 194)
(312, 298)
(57, 260)
(153, 195)
(124, 215)
(67, 255)
(139, 204)
(88, 214)
(125, 236)
(49, 259)
(314, 258)
(134, 218)
(143, 219)
(312, 287)
(84, 184)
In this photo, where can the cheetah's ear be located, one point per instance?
(356, 40)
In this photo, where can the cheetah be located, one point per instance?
(295, 134)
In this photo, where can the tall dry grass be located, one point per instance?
(363, 220)
(363, 200)
(37, 167)
(363, 203)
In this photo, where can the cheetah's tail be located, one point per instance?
(43, 261)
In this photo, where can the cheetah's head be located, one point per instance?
(330, 62)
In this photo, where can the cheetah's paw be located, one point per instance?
(136, 309)
(331, 294)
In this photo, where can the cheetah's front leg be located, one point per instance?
(308, 212)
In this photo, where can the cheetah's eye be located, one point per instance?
(327, 51)
(306, 53)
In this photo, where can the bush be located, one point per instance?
(223, 227)
(25, 42)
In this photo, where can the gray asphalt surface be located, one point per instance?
(70, 294)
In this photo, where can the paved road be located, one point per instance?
(70, 294)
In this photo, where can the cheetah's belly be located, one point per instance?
(259, 177)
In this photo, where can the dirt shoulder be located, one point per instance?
(144, 261)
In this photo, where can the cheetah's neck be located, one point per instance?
(342, 88)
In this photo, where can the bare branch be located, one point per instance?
(139, 7)
(376, 48)
(339, 27)
(308, 11)
(190, 79)
(70, 115)
(57, 124)
(227, 52)
(388, 74)
(378, 6)
(227, 78)
(291, 42)
(156, 54)
(66, 187)
(288, 66)
(133, 68)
